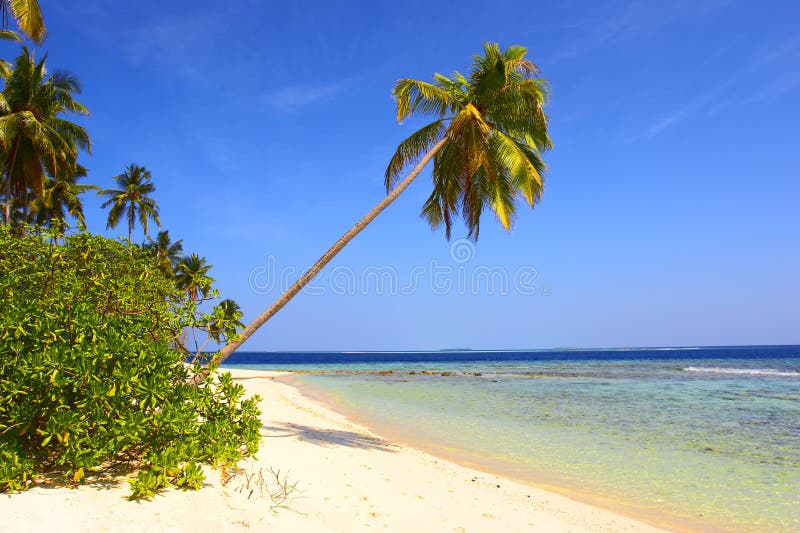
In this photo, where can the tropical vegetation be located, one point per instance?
(486, 143)
(93, 351)
(92, 377)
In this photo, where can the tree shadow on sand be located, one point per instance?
(108, 478)
(328, 437)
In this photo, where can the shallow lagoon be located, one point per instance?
(704, 440)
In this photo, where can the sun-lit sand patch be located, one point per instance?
(346, 479)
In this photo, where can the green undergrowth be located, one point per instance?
(90, 381)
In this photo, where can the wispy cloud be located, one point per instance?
(746, 86)
(296, 96)
(185, 41)
(668, 121)
(630, 19)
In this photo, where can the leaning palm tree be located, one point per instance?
(167, 253)
(131, 199)
(486, 145)
(28, 16)
(35, 138)
(191, 276)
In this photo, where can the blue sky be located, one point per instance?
(669, 216)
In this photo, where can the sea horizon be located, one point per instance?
(555, 348)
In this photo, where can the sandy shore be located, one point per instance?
(346, 479)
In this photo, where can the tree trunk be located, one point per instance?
(130, 222)
(9, 171)
(7, 193)
(325, 259)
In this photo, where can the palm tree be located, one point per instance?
(28, 16)
(35, 139)
(486, 143)
(131, 199)
(225, 320)
(61, 198)
(191, 276)
(167, 253)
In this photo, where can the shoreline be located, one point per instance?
(540, 480)
(348, 478)
(357, 420)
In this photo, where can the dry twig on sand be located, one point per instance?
(275, 485)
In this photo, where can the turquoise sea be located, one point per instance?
(697, 438)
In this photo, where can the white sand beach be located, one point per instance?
(347, 479)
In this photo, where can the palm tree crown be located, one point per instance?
(495, 130)
(131, 199)
(191, 276)
(225, 320)
(35, 139)
(167, 253)
(60, 199)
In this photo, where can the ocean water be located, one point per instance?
(694, 437)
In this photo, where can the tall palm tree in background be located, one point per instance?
(131, 199)
(60, 199)
(28, 16)
(191, 276)
(35, 139)
(486, 145)
(167, 253)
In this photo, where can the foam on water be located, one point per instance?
(751, 371)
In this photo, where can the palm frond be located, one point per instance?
(414, 95)
(29, 18)
(523, 165)
(10, 35)
(412, 149)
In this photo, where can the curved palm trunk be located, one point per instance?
(325, 259)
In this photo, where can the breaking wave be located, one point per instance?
(749, 371)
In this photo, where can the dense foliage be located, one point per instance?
(90, 378)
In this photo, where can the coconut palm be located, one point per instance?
(167, 253)
(131, 199)
(35, 138)
(28, 16)
(486, 142)
(225, 320)
(191, 276)
(61, 198)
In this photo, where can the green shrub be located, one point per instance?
(90, 379)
